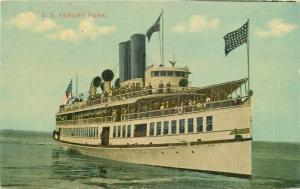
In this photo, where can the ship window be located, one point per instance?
(124, 130)
(96, 132)
(209, 123)
(166, 127)
(170, 73)
(163, 73)
(158, 128)
(173, 126)
(140, 130)
(190, 125)
(128, 130)
(155, 74)
(177, 74)
(119, 131)
(152, 129)
(182, 74)
(181, 125)
(186, 74)
(199, 124)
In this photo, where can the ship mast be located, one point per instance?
(162, 37)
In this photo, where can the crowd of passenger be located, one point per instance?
(154, 107)
(132, 90)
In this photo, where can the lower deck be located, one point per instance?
(212, 125)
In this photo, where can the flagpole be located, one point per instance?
(162, 28)
(248, 65)
(76, 85)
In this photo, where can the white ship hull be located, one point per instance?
(214, 139)
(229, 158)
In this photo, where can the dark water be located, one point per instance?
(34, 160)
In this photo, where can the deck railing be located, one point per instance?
(161, 113)
(129, 95)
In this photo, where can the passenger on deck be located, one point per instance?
(138, 86)
(149, 90)
(162, 106)
(168, 87)
(161, 87)
(207, 100)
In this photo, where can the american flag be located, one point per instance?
(68, 94)
(154, 28)
(236, 38)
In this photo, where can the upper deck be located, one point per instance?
(150, 102)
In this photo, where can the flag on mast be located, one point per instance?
(154, 28)
(236, 38)
(68, 93)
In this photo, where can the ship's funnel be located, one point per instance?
(124, 61)
(137, 56)
(96, 82)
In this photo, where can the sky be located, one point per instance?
(42, 49)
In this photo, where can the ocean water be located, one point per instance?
(34, 160)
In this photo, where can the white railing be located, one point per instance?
(160, 113)
(129, 95)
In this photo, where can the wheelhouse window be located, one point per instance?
(173, 126)
(128, 130)
(190, 125)
(163, 73)
(166, 128)
(181, 125)
(170, 73)
(155, 74)
(177, 74)
(158, 128)
(209, 123)
(186, 75)
(151, 129)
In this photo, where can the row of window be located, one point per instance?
(88, 132)
(120, 131)
(162, 128)
(169, 74)
(156, 128)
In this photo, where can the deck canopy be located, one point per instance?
(224, 90)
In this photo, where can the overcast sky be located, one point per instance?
(42, 49)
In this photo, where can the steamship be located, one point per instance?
(152, 115)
